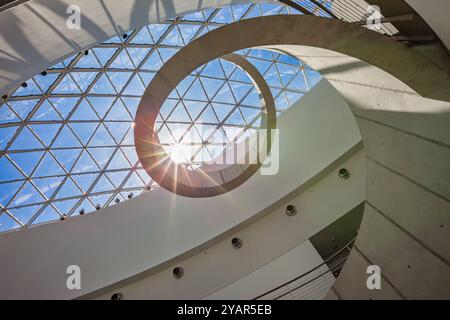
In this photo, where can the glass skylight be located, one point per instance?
(66, 135)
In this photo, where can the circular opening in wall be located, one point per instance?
(117, 296)
(291, 210)
(344, 174)
(214, 153)
(178, 272)
(236, 243)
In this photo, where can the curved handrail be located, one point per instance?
(346, 247)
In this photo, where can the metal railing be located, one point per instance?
(313, 283)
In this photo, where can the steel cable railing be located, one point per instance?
(310, 278)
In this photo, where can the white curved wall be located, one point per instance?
(142, 233)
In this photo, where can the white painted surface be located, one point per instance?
(435, 13)
(281, 270)
(144, 232)
(264, 242)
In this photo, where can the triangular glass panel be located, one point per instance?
(260, 54)
(119, 79)
(236, 118)
(293, 97)
(8, 171)
(30, 90)
(224, 95)
(84, 79)
(134, 181)
(261, 65)
(104, 54)
(122, 61)
(66, 205)
(130, 153)
(211, 86)
(154, 62)
(179, 114)
(46, 81)
(118, 161)
(48, 167)
(239, 10)
(272, 77)
(49, 214)
(167, 53)
(240, 90)
(48, 186)
(286, 72)
(102, 138)
(252, 99)
(101, 105)
(7, 223)
(6, 115)
(194, 107)
(135, 87)
(270, 9)
(25, 214)
(67, 86)
(147, 77)
(298, 83)
(101, 155)
(6, 134)
(213, 69)
(67, 157)
(85, 164)
(313, 77)
(250, 114)
(26, 160)
(195, 16)
(88, 61)
(68, 190)
(7, 191)
(64, 105)
(240, 76)
(118, 112)
(84, 112)
(86, 206)
(103, 86)
(164, 136)
(208, 116)
(66, 139)
(23, 107)
(102, 185)
(288, 59)
(143, 37)
(228, 67)
(222, 110)
(188, 31)
(26, 141)
(46, 132)
(27, 195)
(131, 104)
(118, 129)
(117, 177)
(157, 30)
(85, 181)
(281, 102)
(84, 130)
(223, 16)
(173, 38)
(253, 12)
(185, 84)
(137, 54)
(101, 199)
(46, 112)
